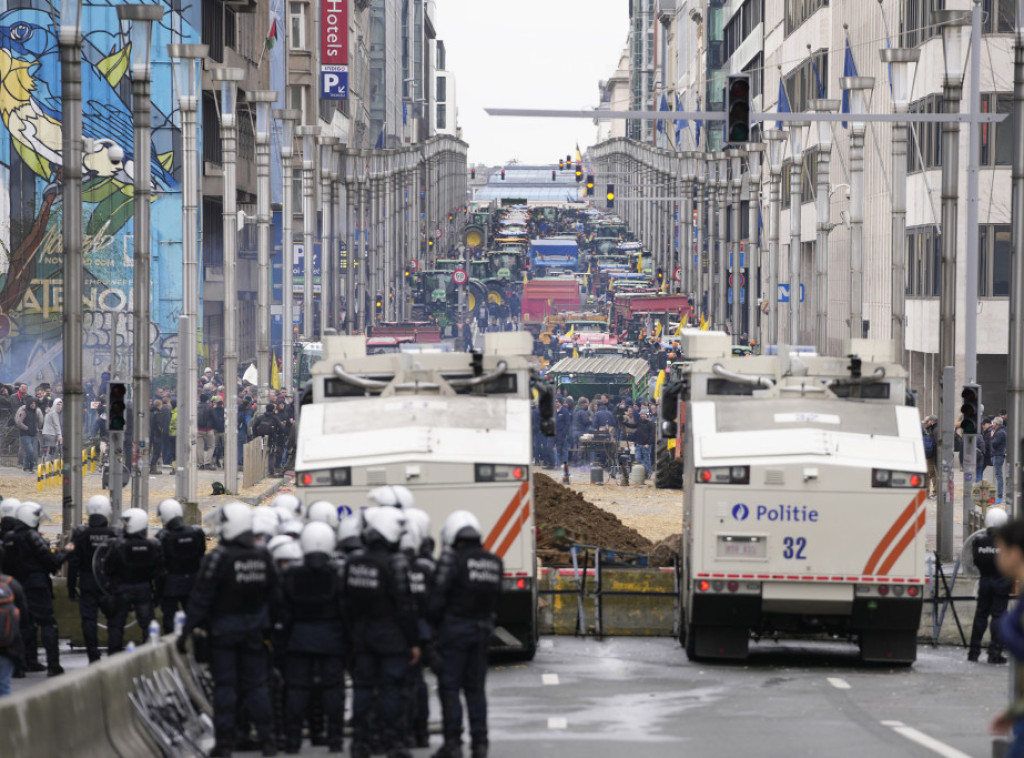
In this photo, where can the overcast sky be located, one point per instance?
(529, 54)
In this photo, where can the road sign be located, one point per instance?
(678, 274)
(438, 233)
(459, 276)
(784, 293)
(743, 296)
(414, 264)
(743, 282)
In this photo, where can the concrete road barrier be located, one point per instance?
(85, 713)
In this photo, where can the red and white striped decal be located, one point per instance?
(511, 522)
(909, 523)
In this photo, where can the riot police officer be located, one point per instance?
(381, 618)
(183, 549)
(416, 546)
(350, 538)
(993, 589)
(235, 580)
(310, 611)
(134, 568)
(8, 515)
(31, 562)
(462, 607)
(82, 583)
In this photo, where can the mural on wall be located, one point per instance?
(31, 276)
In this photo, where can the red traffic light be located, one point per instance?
(503, 175)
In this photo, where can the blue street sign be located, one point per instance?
(784, 293)
(743, 296)
(334, 82)
(743, 260)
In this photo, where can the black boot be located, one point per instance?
(450, 749)
(479, 749)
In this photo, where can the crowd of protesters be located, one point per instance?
(32, 422)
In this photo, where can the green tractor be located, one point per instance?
(668, 467)
(477, 233)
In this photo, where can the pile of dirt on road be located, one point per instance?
(665, 551)
(564, 517)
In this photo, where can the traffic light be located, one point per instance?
(579, 173)
(408, 270)
(970, 407)
(378, 303)
(561, 165)
(118, 407)
(451, 217)
(503, 175)
(737, 108)
(552, 175)
(661, 276)
(590, 185)
(610, 196)
(472, 173)
(568, 161)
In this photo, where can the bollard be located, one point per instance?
(58, 472)
(95, 456)
(39, 477)
(85, 462)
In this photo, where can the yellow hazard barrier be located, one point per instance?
(39, 478)
(94, 456)
(58, 472)
(85, 462)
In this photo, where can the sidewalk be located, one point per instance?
(22, 485)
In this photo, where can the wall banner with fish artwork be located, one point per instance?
(31, 272)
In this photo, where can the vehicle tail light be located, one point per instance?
(336, 477)
(896, 479)
(912, 591)
(704, 585)
(883, 590)
(733, 586)
(724, 475)
(492, 472)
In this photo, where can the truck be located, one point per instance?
(455, 428)
(544, 297)
(804, 500)
(554, 253)
(631, 312)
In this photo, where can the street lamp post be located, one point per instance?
(308, 135)
(952, 24)
(141, 18)
(754, 153)
(775, 138)
(822, 226)
(689, 173)
(700, 290)
(797, 138)
(350, 250)
(70, 44)
(229, 79)
(900, 60)
(263, 100)
(288, 118)
(326, 145)
(736, 185)
(858, 87)
(722, 258)
(187, 62)
(1015, 385)
(712, 238)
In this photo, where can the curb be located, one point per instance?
(265, 494)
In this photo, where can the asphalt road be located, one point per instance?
(641, 698)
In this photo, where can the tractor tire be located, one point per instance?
(476, 296)
(668, 472)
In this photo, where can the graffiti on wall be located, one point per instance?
(31, 261)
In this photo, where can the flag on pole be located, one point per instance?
(680, 122)
(783, 106)
(272, 34)
(275, 373)
(662, 106)
(699, 124)
(817, 78)
(849, 69)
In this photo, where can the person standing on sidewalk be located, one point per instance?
(204, 423)
(929, 430)
(993, 590)
(997, 448)
(29, 421)
(53, 431)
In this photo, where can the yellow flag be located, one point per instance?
(659, 384)
(640, 262)
(575, 352)
(275, 373)
(682, 321)
(657, 329)
(572, 332)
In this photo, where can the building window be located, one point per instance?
(442, 89)
(742, 24)
(297, 26)
(997, 16)
(297, 191)
(230, 28)
(442, 116)
(924, 261)
(756, 71)
(297, 99)
(924, 149)
(994, 247)
(211, 128)
(213, 29)
(997, 139)
(807, 81)
(798, 11)
(918, 24)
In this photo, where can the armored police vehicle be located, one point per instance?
(452, 427)
(804, 499)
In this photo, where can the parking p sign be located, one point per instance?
(334, 82)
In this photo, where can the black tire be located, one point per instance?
(479, 293)
(668, 472)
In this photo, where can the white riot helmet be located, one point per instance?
(234, 520)
(383, 525)
(265, 521)
(421, 518)
(460, 525)
(394, 495)
(287, 550)
(9, 507)
(995, 518)
(99, 505)
(317, 537)
(349, 531)
(412, 538)
(323, 512)
(135, 521)
(168, 510)
(290, 501)
(275, 542)
(30, 514)
(292, 527)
